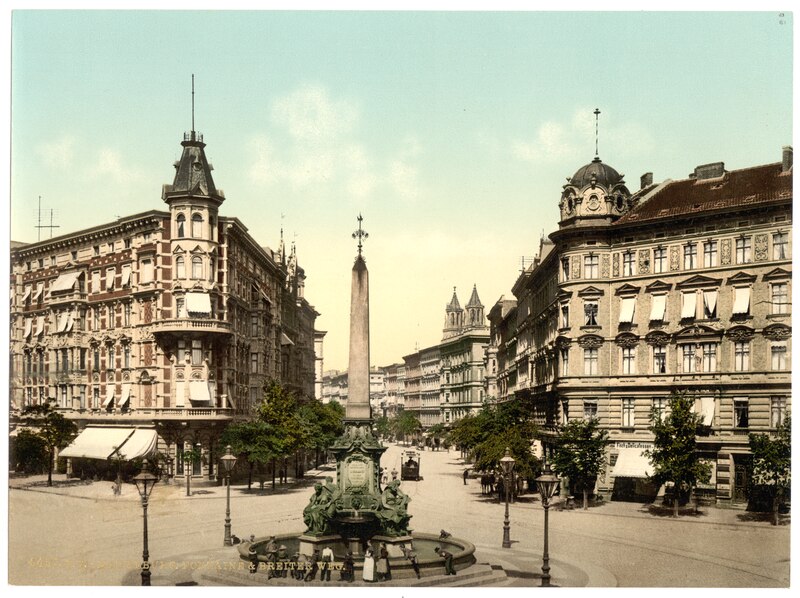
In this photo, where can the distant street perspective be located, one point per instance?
(615, 544)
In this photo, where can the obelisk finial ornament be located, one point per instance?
(360, 234)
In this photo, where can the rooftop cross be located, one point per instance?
(360, 234)
(596, 131)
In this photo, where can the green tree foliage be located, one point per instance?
(673, 455)
(53, 428)
(580, 454)
(30, 453)
(321, 423)
(279, 410)
(772, 461)
(254, 440)
(406, 424)
(382, 426)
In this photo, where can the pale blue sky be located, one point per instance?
(451, 132)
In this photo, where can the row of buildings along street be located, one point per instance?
(171, 321)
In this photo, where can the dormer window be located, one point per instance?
(197, 226)
(181, 222)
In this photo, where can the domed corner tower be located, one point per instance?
(595, 194)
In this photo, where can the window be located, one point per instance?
(741, 301)
(127, 243)
(741, 356)
(780, 246)
(777, 411)
(65, 360)
(253, 363)
(197, 225)
(96, 250)
(659, 408)
(690, 256)
(181, 222)
(710, 305)
(565, 361)
(688, 352)
(743, 250)
(62, 401)
(110, 317)
(591, 266)
(126, 356)
(627, 412)
(179, 459)
(590, 361)
(96, 319)
(180, 312)
(565, 315)
(41, 262)
(126, 276)
(211, 268)
(96, 398)
(82, 359)
(778, 354)
(52, 260)
(183, 352)
(709, 356)
(628, 263)
(126, 314)
(628, 360)
(590, 313)
(659, 359)
(180, 267)
(96, 359)
(565, 268)
(96, 281)
(709, 254)
(146, 270)
(689, 305)
(626, 310)
(254, 326)
(564, 412)
(197, 352)
(589, 410)
(110, 273)
(741, 413)
(197, 267)
(780, 298)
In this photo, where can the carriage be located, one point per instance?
(409, 468)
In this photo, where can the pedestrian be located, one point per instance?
(293, 565)
(348, 568)
(327, 564)
(384, 477)
(314, 562)
(302, 567)
(412, 557)
(368, 574)
(394, 474)
(466, 475)
(282, 561)
(272, 557)
(252, 556)
(448, 560)
(382, 568)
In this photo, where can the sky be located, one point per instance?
(452, 133)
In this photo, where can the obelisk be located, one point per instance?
(358, 408)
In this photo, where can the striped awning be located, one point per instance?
(112, 442)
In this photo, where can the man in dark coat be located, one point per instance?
(448, 561)
(348, 567)
(314, 562)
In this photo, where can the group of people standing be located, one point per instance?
(376, 567)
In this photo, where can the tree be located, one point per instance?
(772, 461)
(30, 453)
(253, 439)
(321, 423)
(53, 428)
(673, 455)
(507, 425)
(279, 409)
(580, 454)
(406, 424)
(382, 427)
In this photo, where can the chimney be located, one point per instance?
(646, 180)
(709, 171)
(787, 158)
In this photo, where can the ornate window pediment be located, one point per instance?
(628, 289)
(697, 330)
(590, 341)
(777, 332)
(658, 285)
(178, 250)
(591, 292)
(562, 342)
(699, 281)
(657, 338)
(777, 274)
(741, 278)
(627, 339)
(562, 295)
(740, 333)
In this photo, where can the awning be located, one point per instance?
(28, 326)
(285, 340)
(65, 282)
(97, 443)
(658, 310)
(198, 303)
(710, 302)
(39, 325)
(180, 393)
(689, 308)
(126, 395)
(706, 410)
(632, 464)
(109, 396)
(104, 443)
(70, 322)
(264, 295)
(626, 310)
(741, 300)
(126, 275)
(26, 294)
(62, 322)
(38, 293)
(141, 443)
(198, 391)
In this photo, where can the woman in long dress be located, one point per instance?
(368, 573)
(382, 567)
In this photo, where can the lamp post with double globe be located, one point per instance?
(145, 481)
(507, 465)
(228, 461)
(546, 484)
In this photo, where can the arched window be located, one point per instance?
(180, 267)
(211, 268)
(197, 225)
(181, 220)
(197, 267)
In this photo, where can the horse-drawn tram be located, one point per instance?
(409, 469)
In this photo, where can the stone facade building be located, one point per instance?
(680, 286)
(169, 321)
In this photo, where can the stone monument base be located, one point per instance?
(308, 544)
(392, 544)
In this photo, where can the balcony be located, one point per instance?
(149, 414)
(189, 325)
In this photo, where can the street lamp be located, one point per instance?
(547, 484)
(228, 461)
(145, 481)
(507, 464)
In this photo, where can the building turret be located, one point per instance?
(475, 309)
(454, 317)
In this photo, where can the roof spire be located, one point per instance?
(360, 234)
(596, 133)
(192, 106)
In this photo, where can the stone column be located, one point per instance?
(358, 371)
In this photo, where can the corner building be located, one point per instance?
(680, 286)
(166, 321)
